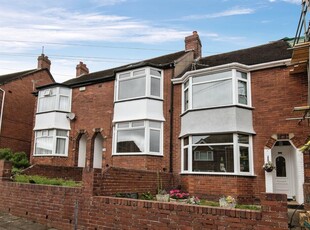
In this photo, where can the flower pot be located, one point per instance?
(178, 200)
(269, 169)
(162, 198)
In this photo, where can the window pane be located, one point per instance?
(64, 103)
(217, 138)
(244, 159)
(64, 91)
(242, 75)
(138, 72)
(137, 123)
(130, 141)
(186, 100)
(243, 139)
(132, 88)
(242, 92)
(155, 124)
(212, 94)
(61, 133)
(155, 72)
(223, 159)
(186, 141)
(155, 86)
(47, 103)
(154, 141)
(212, 77)
(44, 145)
(124, 75)
(60, 145)
(281, 167)
(186, 84)
(123, 125)
(185, 159)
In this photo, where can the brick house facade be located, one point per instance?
(17, 105)
(212, 122)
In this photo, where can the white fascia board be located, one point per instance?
(233, 65)
(1, 109)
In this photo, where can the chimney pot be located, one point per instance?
(193, 42)
(44, 62)
(81, 69)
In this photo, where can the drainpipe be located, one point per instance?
(1, 109)
(171, 122)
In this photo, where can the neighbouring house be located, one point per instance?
(17, 105)
(210, 121)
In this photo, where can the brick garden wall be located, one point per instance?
(118, 180)
(55, 206)
(68, 173)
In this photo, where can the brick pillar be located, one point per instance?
(5, 170)
(274, 211)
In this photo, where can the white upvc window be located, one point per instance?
(230, 87)
(51, 142)
(54, 99)
(217, 154)
(138, 138)
(146, 82)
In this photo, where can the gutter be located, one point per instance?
(2, 109)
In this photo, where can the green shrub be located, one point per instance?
(44, 180)
(146, 196)
(19, 159)
(6, 154)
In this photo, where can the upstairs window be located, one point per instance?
(215, 90)
(54, 99)
(138, 83)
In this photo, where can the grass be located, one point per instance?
(238, 206)
(44, 180)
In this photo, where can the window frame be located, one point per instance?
(235, 93)
(54, 138)
(236, 156)
(57, 95)
(147, 129)
(120, 77)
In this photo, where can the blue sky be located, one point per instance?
(109, 33)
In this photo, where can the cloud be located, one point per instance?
(107, 2)
(288, 1)
(226, 13)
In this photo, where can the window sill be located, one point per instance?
(139, 98)
(217, 107)
(51, 111)
(137, 154)
(50, 155)
(216, 174)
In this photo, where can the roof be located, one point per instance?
(109, 74)
(13, 76)
(273, 51)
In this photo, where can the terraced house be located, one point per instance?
(212, 122)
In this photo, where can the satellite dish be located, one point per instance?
(70, 116)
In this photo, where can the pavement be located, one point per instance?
(10, 222)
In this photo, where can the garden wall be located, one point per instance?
(119, 180)
(67, 173)
(55, 207)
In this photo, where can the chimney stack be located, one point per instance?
(44, 62)
(193, 42)
(81, 69)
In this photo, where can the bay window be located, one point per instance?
(217, 154)
(138, 137)
(146, 82)
(51, 142)
(216, 89)
(54, 99)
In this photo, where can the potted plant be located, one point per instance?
(178, 195)
(227, 202)
(269, 166)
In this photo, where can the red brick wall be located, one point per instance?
(119, 180)
(5, 170)
(67, 173)
(54, 206)
(18, 113)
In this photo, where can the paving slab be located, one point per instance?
(10, 222)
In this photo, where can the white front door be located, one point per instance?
(82, 151)
(98, 151)
(283, 176)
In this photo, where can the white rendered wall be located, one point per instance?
(52, 120)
